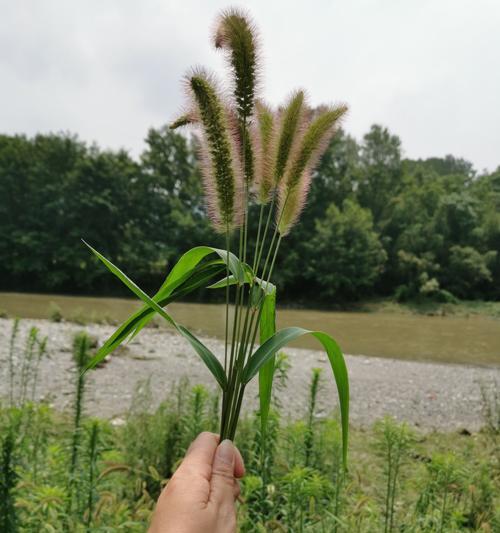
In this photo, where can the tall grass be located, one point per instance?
(27, 363)
(81, 357)
(393, 442)
(92, 472)
(444, 482)
(311, 411)
(24, 364)
(12, 354)
(250, 154)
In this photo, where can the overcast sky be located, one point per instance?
(110, 69)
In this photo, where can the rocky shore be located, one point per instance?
(430, 396)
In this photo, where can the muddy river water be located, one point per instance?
(469, 340)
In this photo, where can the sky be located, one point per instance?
(108, 70)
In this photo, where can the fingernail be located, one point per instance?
(225, 452)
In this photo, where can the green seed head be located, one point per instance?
(221, 165)
(243, 139)
(291, 121)
(293, 191)
(265, 149)
(235, 34)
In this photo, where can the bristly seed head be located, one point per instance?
(235, 33)
(264, 135)
(221, 165)
(293, 191)
(241, 133)
(291, 119)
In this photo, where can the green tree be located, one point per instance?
(346, 253)
(468, 269)
(381, 171)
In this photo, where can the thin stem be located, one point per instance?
(257, 242)
(274, 259)
(231, 372)
(236, 413)
(254, 336)
(227, 301)
(265, 233)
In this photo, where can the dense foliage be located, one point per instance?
(398, 480)
(375, 223)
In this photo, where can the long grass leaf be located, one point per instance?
(187, 267)
(140, 318)
(267, 327)
(280, 339)
(206, 355)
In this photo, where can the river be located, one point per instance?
(465, 340)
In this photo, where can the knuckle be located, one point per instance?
(223, 474)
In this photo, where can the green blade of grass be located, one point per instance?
(140, 318)
(194, 279)
(223, 283)
(187, 268)
(280, 339)
(205, 354)
(267, 327)
(193, 257)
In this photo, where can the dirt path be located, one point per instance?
(425, 394)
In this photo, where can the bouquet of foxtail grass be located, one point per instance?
(249, 153)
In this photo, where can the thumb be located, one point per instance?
(222, 482)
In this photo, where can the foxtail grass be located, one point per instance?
(250, 153)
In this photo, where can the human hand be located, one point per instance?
(200, 496)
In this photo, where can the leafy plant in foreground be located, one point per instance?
(445, 479)
(394, 441)
(12, 350)
(81, 357)
(93, 452)
(8, 480)
(250, 153)
(309, 433)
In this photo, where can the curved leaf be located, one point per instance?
(223, 283)
(280, 339)
(206, 355)
(192, 280)
(188, 274)
(266, 286)
(193, 257)
(186, 266)
(133, 325)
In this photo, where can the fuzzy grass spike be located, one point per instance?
(221, 168)
(235, 34)
(264, 133)
(295, 185)
(291, 118)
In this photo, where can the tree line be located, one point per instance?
(376, 224)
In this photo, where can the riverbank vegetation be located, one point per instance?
(66, 471)
(430, 307)
(376, 224)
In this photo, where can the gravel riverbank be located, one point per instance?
(428, 395)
